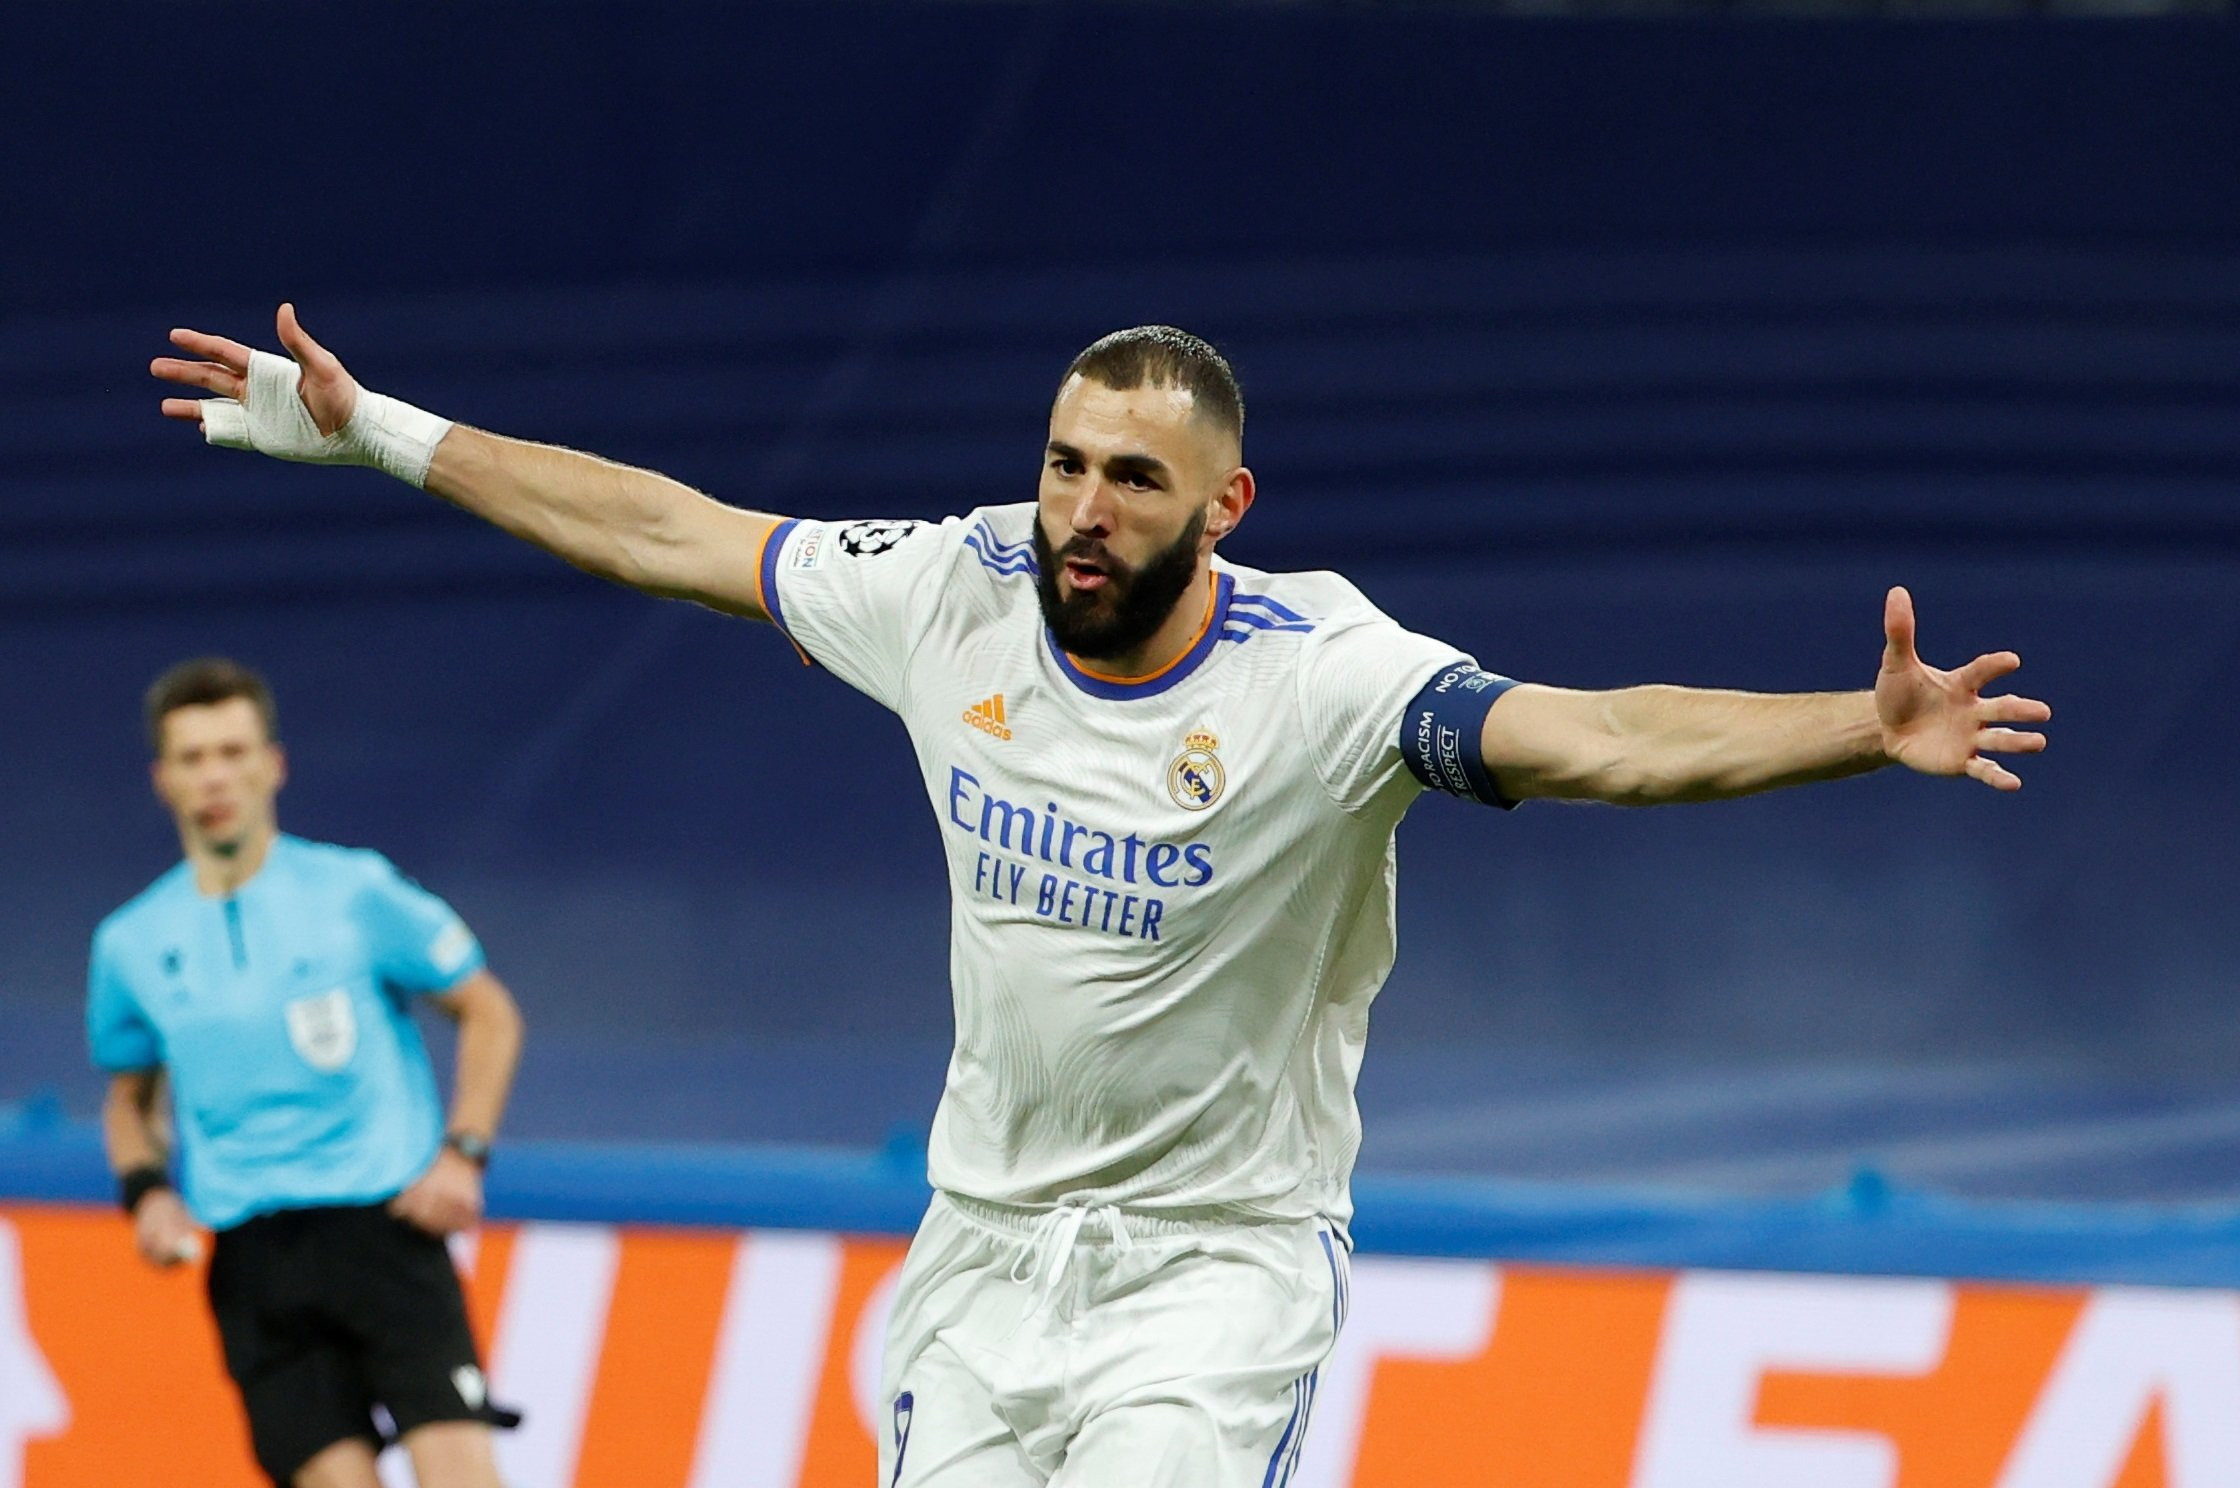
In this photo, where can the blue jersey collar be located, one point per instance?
(1116, 689)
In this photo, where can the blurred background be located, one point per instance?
(1616, 343)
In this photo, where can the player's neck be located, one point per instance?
(221, 874)
(1175, 636)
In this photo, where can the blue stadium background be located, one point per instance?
(1615, 350)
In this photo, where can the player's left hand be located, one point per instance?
(1939, 722)
(445, 1199)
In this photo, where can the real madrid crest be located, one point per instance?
(1196, 777)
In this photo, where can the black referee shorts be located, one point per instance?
(326, 1313)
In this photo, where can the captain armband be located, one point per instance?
(1440, 733)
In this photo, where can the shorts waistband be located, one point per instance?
(296, 1216)
(1019, 1223)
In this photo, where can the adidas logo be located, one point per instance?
(987, 716)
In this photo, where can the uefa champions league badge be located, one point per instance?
(1196, 777)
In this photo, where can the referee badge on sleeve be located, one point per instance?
(453, 944)
(324, 1029)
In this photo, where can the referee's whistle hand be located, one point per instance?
(162, 1231)
(445, 1199)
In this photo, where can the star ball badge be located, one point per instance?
(1196, 777)
(870, 539)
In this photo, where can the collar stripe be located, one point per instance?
(1282, 611)
(1118, 689)
(1264, 622)
(1006, 563)
(998, 546)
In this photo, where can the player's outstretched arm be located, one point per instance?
(1642, 746)
(633, 526)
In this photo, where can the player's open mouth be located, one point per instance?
(1085, 575)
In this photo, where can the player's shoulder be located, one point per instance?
(986, 556)
(991, 568)
(1305, 604)
(1318, 594)
(999, 541)
(996, 542)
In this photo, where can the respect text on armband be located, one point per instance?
(1041, 860)
(1440, 732)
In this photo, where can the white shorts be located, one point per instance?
(1030, 1349)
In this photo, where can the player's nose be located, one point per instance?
(1092, 510)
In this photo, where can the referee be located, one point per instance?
(269, 981)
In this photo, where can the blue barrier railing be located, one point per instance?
(1865, 1228)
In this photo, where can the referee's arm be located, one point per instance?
(448, 1196)
(1643, 746)
(162, 1231)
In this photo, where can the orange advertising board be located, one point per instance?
(664, 1358)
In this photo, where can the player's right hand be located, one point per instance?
(294, 410)
(162, 1230)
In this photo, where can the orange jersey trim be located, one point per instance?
(761, 550)
(1205, 622)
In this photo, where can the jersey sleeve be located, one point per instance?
(856, 596)
(1356, 682)
(118, 1034)
(417, 943)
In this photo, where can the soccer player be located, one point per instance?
(1167, 787)
(268, 981)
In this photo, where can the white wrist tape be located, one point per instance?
(396, 437)
(383, 433)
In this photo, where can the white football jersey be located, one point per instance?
(1171, 898)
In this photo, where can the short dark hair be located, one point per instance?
(1163, 356)
(202, 682)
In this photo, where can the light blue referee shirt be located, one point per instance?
(283, 1013)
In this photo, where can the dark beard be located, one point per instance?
(1134, 602)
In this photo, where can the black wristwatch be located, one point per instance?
(473, 1146)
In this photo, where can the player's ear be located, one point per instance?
(1230, 504)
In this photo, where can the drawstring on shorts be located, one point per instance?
(1049, 1245)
